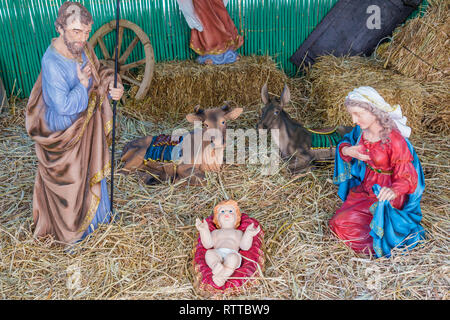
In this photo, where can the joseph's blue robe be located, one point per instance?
(66, 98)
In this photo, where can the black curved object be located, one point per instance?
(345, 31)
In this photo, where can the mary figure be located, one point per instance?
(380, 179)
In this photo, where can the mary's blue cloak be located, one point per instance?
(390, 227)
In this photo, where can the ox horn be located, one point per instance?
(226, 107)
(198, 109)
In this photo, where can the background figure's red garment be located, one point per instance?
(394, 160)
(219, 32)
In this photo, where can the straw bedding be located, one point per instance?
(178, 86)
(147, 253)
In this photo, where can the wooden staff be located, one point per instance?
(116, 67)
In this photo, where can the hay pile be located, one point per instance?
(332, 78)
(413, 72)
(437, 107)
(420, 49)
(147, 253)
(180, 85)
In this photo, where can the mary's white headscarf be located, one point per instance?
(371, 96)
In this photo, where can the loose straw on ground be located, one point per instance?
(147, 253)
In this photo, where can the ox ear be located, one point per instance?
(265, 94)
(285, 96)
(233, 114)
(198, 115)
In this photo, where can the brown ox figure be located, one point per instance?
(159, 158)
(299, 145)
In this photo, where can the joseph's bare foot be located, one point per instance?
(209, 62)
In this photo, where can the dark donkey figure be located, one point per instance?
(297, 143)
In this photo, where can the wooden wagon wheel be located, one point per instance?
(140, 36)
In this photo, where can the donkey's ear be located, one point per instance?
(233, 114)
(265, 94)
(285, 96)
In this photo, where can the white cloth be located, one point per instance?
(187, 8)
(371, 96)
(223, 252)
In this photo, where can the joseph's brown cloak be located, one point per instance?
(71, 162)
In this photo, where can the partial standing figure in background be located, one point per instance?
(214, 36)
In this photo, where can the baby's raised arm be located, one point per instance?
(247, 238)
(205, 234)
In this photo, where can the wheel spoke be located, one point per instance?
(131, 80)
(128, 51)
(128, 48)
(103, 63)
(120, 42)
(132, 65)
(103, 48)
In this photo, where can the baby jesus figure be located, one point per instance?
(223, 244)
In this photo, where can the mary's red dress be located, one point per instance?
(390, 165)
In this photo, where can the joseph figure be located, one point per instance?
(69, 117)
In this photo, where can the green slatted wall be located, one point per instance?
(273, 27)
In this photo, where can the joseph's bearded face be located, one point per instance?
(76, 35)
